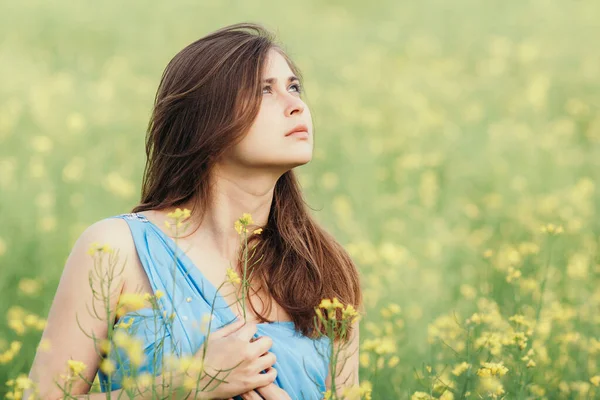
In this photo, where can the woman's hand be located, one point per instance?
(230, 349)
(269, 392)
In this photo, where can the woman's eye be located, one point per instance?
(296, 85)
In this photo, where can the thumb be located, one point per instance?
(272, 391)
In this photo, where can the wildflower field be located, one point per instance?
(457, 158)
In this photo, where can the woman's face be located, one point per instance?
(266, 145)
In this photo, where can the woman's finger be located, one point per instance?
(227, 330)
(265, 362)
(273, 392)
(251, 395)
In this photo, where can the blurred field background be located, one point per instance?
(447, 135)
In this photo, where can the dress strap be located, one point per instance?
(186, 292)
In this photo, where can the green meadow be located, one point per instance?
(457, 159)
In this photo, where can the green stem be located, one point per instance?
(244, 283)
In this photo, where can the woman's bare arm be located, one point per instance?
(76, 301)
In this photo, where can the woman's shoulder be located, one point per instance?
(109, 229)
(112, 233)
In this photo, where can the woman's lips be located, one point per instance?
(299, 134)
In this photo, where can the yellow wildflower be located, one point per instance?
(421, 396)
(242, 222)
(107, 366)
(232, 276)
(258, 231)
(96, 247)
(325, 303)
(394, 308)
(395, 360)
(492, 369)
(552, 229)
(349, 312)
(351, 392)
(76, 367)
(460, 368)
(128, 382)
(179, 214)
(144, 380)
(104, 346)
(189, 383)
(336, 303)
(365, 389)
(595, 380)
(135, 351)
(130, 302)
(29, 286)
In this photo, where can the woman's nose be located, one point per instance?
(296, 105)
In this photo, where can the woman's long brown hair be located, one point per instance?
(208, 98)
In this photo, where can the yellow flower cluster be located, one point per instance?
(129, 302)
(355, 392)
(232, 276)
(96, 247)
(461, 368)
(188, 364)
(179, 216)
(349, 313)
(132, 346)
(492, 386)
(552, 229)
(107, 366)
(241, 223)
(492, 369)
(18, 387)
(421, 396)
(8, 355)
(29, 287)
(380, 345)
(141, 381)
(329, 304)
(76, 367)
(19, 320)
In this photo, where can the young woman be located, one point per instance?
(228, 126)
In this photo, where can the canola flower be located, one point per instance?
(492, 369)
(96, 248)
(243, 222)
(179, 216)
(129, 302)
(335, 326)
(232, 276)
(18, 386)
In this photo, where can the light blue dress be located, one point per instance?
(302, 363)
